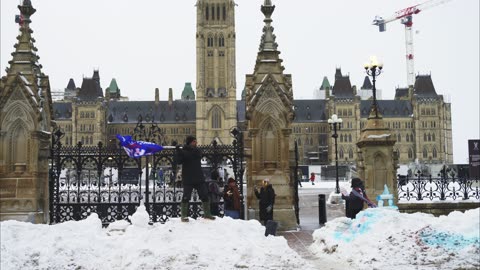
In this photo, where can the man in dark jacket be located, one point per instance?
(266, 200)
(192, 177)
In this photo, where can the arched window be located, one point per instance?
(399, 138)
(224, 13)
(341, 138)
(299, 142)
(341, 154)
(429, 137)
(216, 118)
(425, 137)
(433, 136)
(213, 13)
(425, 153)
(350, 153)
(206, 12)
(210, 41)
(218, 12)
(407, 138)
(411, 137)
(221, 41)
(350, 137)
(410, 153)
(434, 153)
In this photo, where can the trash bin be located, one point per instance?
(322, 209)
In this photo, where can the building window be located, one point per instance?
(433, 136)
(218, 12)
(221, 53)
(434, 153)
(213, 13)
(224, 13)
(206, 13)
(341, 154)
(399, 138)
(425, 153)
(410, 153)
(221, 42)
(350, 153)
(216, 118)
(210, 42)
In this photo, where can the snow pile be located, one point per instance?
(382, 238)
(200, 244)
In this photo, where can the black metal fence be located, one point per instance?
(442, 188)
(106, 181)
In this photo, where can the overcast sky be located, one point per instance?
(147, 44)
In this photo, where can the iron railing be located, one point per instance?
(442, 188)
(106, 181)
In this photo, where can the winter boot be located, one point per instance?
(184, 211)
(206, 211)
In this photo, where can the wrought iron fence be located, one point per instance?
(106, 181)
(443, 188)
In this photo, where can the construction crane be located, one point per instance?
(405, 17)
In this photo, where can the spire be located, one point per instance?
(25, 59)
(170, 96)
(268, 38)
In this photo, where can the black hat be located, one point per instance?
(357, 182)
(190, 139)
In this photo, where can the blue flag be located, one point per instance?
(136, 149)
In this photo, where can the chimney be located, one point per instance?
(170, 96)
(157, 97)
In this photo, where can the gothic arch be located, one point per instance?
(18, 111)
(269, 139)
(17, 143)
(215, 116)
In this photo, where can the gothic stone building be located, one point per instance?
(419, 117)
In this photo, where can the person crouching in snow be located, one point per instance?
(266, 200)
(354, 201)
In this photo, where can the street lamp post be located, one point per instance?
(335, 124)
(374, 69)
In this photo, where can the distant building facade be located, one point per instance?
(419, 117)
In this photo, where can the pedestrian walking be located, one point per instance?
(312, 178)
(192, 177)
(266, 199)
(231, 197)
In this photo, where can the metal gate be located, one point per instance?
(104, 180)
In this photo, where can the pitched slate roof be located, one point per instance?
(90, 90)
(401, 92)
(388, 108)
(342, 87)
(424, 86)
(367, 84)
(71, 84)
(181, 111)
(62, 110)
(310, 110)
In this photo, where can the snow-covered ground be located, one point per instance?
(379, 238)
(383, 238)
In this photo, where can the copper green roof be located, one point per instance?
(187, 93)
(113, 88)
(325, 84)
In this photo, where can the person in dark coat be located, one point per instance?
(231, 197)
(266, 200)
(214, 192)
(356, 199)
(192, 177)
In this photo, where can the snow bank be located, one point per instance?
(382, 238)
(200, 244)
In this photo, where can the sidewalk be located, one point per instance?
(309, 222)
